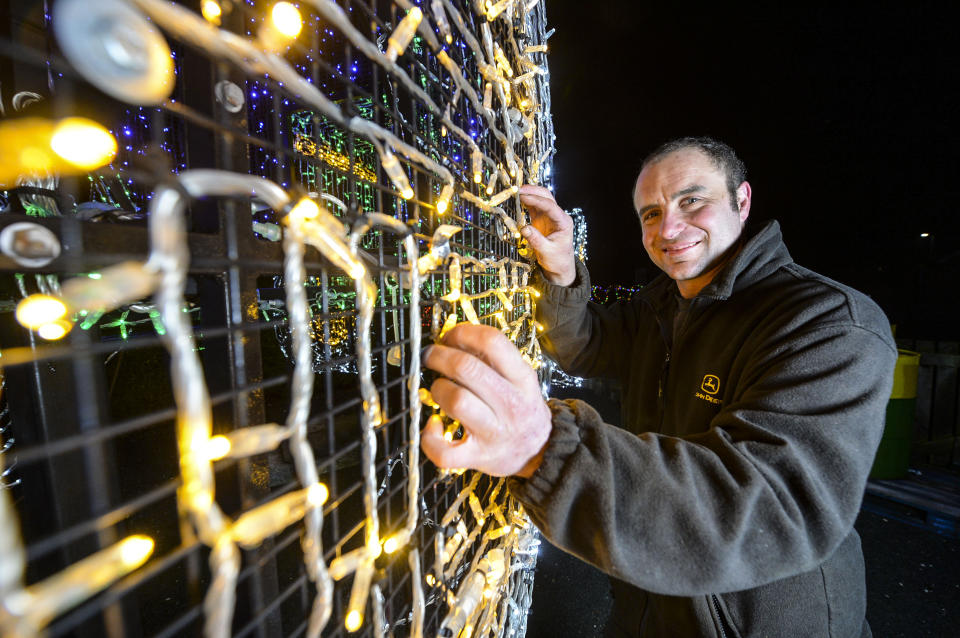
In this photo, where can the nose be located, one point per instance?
(672, 225)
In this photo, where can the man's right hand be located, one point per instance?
(550, 234)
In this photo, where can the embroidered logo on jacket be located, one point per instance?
(709, 386)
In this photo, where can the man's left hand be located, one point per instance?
(495, 395)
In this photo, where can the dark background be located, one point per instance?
(844, 116)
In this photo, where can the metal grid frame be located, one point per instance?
(93, 456)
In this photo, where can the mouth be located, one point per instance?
(675, 250)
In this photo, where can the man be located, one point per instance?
(753, 402)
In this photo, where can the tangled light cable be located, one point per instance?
(198, 449)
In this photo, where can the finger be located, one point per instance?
(539, 205)
(537, 196)
(551, 223)
(447, 454)
(464, 406)
(535, 189)
(491, 346)
(468, 370)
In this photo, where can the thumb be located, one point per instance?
(534, 237)
(443, 453)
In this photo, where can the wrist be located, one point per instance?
(564, 279)
(532, 465)
(534, 462)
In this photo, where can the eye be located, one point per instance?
(690, 200)
(649, 216)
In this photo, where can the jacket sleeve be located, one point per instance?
(585, 339)
(769, 491)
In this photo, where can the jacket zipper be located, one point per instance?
(665, 368)
(664, 371)
(720, 621)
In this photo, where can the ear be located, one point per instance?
(743, 200)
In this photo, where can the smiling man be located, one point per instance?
(753, 402)
(691, 214)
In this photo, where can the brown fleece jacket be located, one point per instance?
(726, 499)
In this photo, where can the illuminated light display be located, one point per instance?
(474, 286)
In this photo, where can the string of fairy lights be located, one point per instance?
(608, 294)
(483, 540)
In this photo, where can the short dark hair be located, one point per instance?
(722, 156)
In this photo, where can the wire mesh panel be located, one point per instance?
(226, 230)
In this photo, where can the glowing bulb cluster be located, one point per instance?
(45, 315)
(113, 287)
(38, 310)
(35, 145)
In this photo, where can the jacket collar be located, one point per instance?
(762, 253)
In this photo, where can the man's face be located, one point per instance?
(690, 225)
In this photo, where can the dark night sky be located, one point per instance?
(846, 119)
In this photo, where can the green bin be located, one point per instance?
(893, 456)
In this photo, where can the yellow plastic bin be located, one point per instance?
(893, 456)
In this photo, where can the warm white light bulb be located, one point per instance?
(393, 169)
(211, 12)
(218, 447)
(55, 329)
(305, 209)
(353, 621)
(400, 38)
(134, 550)
(492, 183)
(39, 310)
(317, 494)
(444, 202)
(286, 19)
(83, 143)
(476, 161)
(391, 545)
